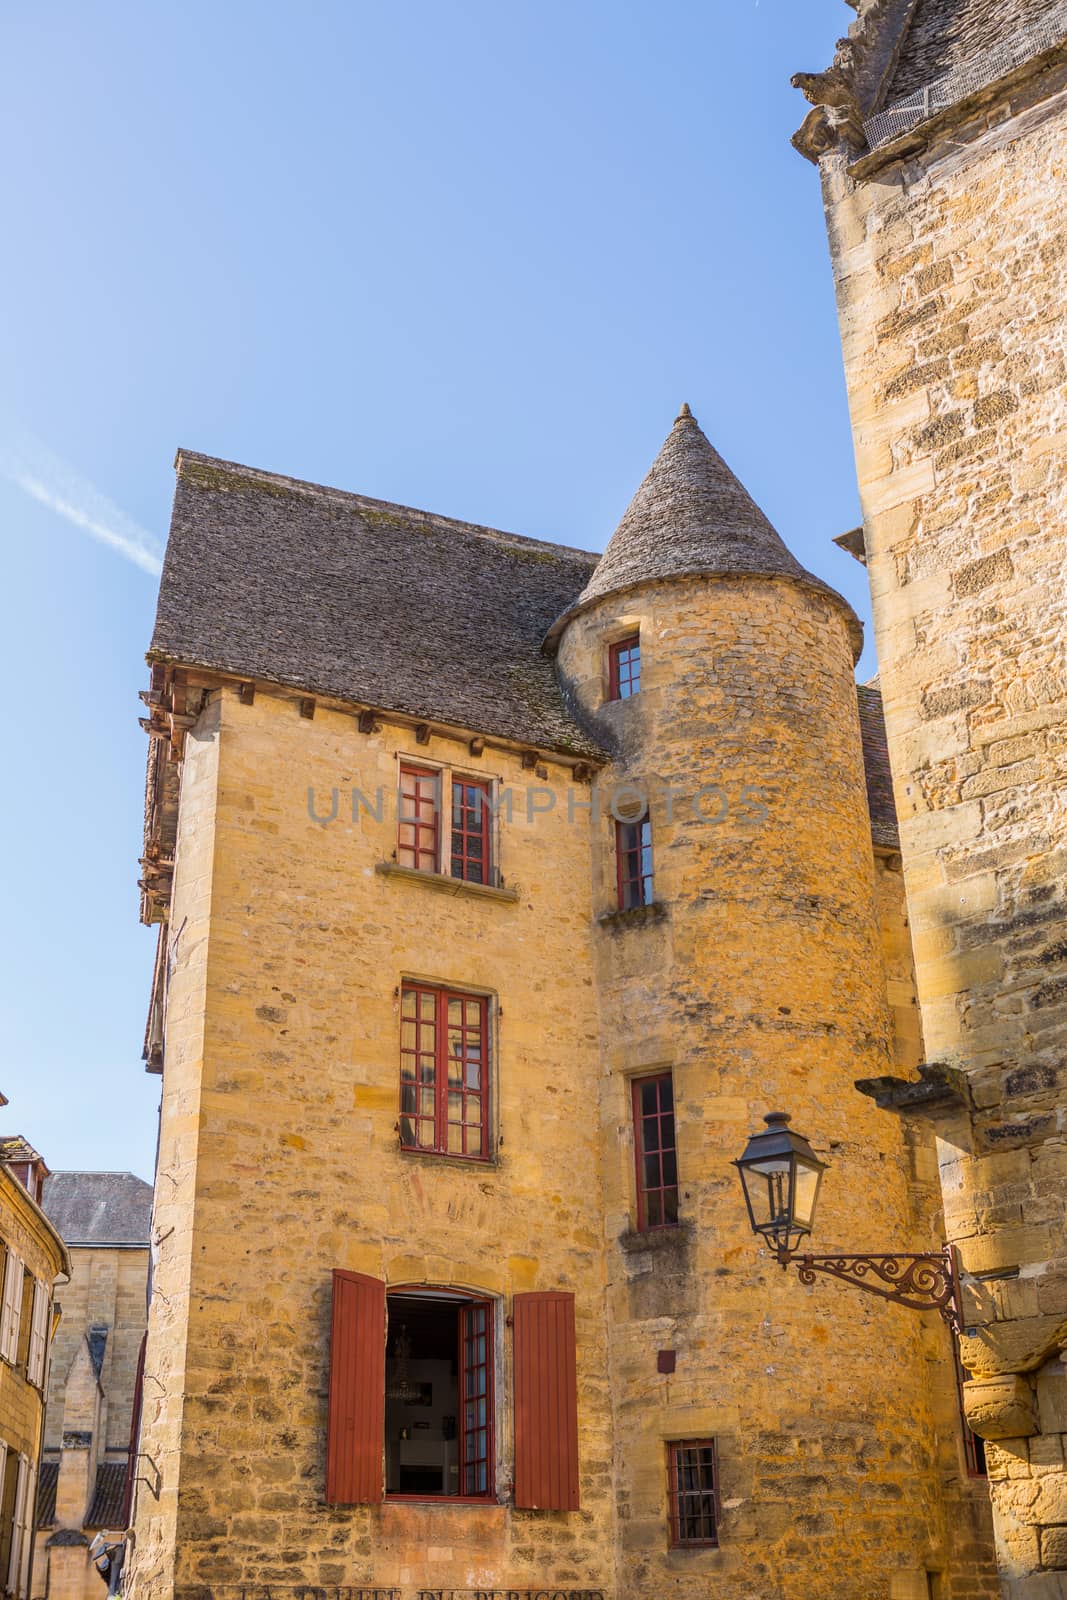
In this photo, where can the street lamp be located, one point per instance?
(780, 1175)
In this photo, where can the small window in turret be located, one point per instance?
(633, 861)
(624, 668)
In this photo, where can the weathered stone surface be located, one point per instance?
(951, 283)
(766, 977)
(1000, 1407)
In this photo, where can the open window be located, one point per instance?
(439, 1396)
(412, 1397)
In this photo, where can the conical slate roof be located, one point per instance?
(691, 516)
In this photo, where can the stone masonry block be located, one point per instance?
(999, 1407)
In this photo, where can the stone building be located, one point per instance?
(939, 132)
(34, 1257)
(104, 1219)
(501, 889)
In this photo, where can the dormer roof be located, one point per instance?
(691, 516)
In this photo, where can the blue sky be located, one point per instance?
(469, 256)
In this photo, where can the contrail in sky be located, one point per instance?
(44, 477)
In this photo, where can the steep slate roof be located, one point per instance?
(98, 1208)
(47, 1481)
(881, 804)
(690, 515)
(946, 34)
(105, 1508)
(272, 578)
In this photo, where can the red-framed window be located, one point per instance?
(633, 859)
(624, 667)
(444, 1072)
(655, 1152)
(693, 1492)
(476, 1399)
(439, 1396)
(419, 819)
(472, 817)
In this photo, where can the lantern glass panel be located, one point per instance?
(767, 1186)
(805, 1194)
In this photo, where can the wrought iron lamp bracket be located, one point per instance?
(926, 1282)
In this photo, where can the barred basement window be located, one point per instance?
(624, 668)
(633, 858)
(444, 1072)
(693, 1492)
(654, 1152)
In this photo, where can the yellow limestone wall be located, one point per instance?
(762, 986)
(279, 1158)
(761, 983)
(24, 1229)
(951, 274)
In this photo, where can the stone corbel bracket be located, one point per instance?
(852, 86)
(939, 1090)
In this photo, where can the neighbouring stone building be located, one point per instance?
(34, 1258)
(501, 889)
(85, 1478)
(940, 132)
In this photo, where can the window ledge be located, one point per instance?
(450, 1158)
(676, 1237)
(482, 1500)
(634, 916)
(446, 885)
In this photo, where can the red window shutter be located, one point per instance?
(355, 1425)
(546, 1403)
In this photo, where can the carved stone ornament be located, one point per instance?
(850, 88)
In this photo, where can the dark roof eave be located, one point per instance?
(576, 749)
